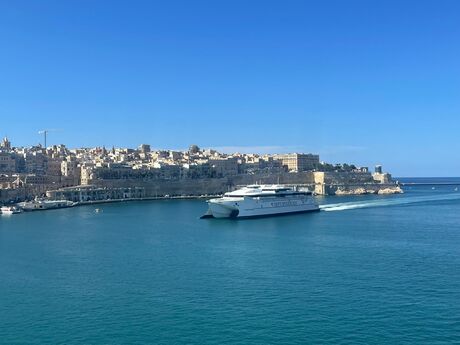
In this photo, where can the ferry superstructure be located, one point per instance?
(260, 200)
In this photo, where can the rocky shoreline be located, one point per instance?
(364, 191)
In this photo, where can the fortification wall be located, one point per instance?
(322, 183)
(205, 186)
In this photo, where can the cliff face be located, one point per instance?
(353, 183)
(351, 191)
(374, 189)
(391, 190)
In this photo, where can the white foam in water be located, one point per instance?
(388, 202)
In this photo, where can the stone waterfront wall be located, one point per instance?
(323, 183)
(7, 195)
(27, 192)
(25, 187)
(210, 186)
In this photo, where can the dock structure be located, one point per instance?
(94, 193)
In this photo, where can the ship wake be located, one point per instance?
(388, 202)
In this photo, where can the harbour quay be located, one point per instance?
(82, 194)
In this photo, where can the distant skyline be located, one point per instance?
(355, 81)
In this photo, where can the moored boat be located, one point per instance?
(9, 210)
(44, 204)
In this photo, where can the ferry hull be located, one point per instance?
(222, 211)
(268, 213)
(280, 214)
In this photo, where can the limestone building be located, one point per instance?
(296, 162)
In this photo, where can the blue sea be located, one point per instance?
(365, 270)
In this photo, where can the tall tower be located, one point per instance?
(6, 144)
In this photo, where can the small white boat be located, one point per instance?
(9, 210)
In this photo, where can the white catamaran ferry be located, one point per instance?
(260, 200)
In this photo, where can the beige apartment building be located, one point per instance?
(7, 163)
(296, 162)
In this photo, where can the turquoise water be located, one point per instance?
(371, 270)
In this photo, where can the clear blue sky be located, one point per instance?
(355, 81)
